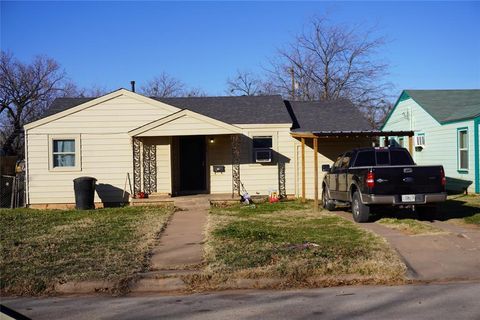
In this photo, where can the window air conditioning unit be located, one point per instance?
(263, 155)
(420, 141)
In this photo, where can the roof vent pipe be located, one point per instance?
(133, 85)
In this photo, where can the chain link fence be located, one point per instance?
(12, 191)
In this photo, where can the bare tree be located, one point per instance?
(332, 61)
(25, 92)
(163, 85)
(244, 83)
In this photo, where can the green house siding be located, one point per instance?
(440, 142)
(476, 123)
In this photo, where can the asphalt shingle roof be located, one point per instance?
(448, 105)
(235, 110)
(338, 115)
(232, 110)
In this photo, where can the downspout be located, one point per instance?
(27, 192)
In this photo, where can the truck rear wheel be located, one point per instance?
(360, 211)
(326, 202)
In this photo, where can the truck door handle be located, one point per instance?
(408, 179)
(382, 180)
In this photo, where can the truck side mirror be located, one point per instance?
(325, 167)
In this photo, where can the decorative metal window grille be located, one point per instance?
(235, 164)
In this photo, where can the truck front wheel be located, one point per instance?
(327, 203)
(360, 211)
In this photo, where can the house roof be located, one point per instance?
(233, 110)
(337, 115)
(447, 105)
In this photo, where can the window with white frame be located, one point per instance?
(462, 143)
(64, 153)
(262, 148)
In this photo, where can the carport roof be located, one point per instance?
(359, 133)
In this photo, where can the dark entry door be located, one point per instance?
(192, 164)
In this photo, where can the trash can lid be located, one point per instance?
(84, 178)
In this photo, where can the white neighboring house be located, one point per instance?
(176, 146)
(447, 126)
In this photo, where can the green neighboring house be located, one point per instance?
(446, 125)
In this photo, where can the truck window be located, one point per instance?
(365, 159)
(400, 157)
(382, 157)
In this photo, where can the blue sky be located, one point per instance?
(432, 45)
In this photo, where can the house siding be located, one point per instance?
(440, 142)
(106, 152)
(105, 147)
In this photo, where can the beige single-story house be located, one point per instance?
(176, 146)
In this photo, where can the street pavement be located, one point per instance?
(426, 301)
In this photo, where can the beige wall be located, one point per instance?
(105, 146)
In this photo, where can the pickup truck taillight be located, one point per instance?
(443, 178)
(370, 179)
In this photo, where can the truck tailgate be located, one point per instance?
(407, 180)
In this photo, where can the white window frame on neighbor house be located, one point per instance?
(77, 166)
(465, 149)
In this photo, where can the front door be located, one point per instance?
(192, 164)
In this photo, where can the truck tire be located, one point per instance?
(326, 202)
(360, 211)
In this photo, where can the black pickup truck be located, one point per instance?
(370, 177)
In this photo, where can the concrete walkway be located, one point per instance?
(180, 249)
(454, 255)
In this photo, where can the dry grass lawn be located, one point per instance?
(40, 248)
(289, 242)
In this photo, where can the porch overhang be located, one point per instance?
(363, 133)
(184, 123)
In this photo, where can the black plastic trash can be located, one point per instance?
(84, 188)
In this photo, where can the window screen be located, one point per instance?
(262, 142)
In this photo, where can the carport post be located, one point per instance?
(315, 166)
(410, 145)
(386, 142)
(303, 169)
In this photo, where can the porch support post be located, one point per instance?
(410, 145)
(315, 166)
(149, 168)
(235, 139)
(137, 170)
(386, 142)
(303, 169)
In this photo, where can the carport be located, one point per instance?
(316, 135)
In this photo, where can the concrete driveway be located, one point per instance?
(453, 255)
